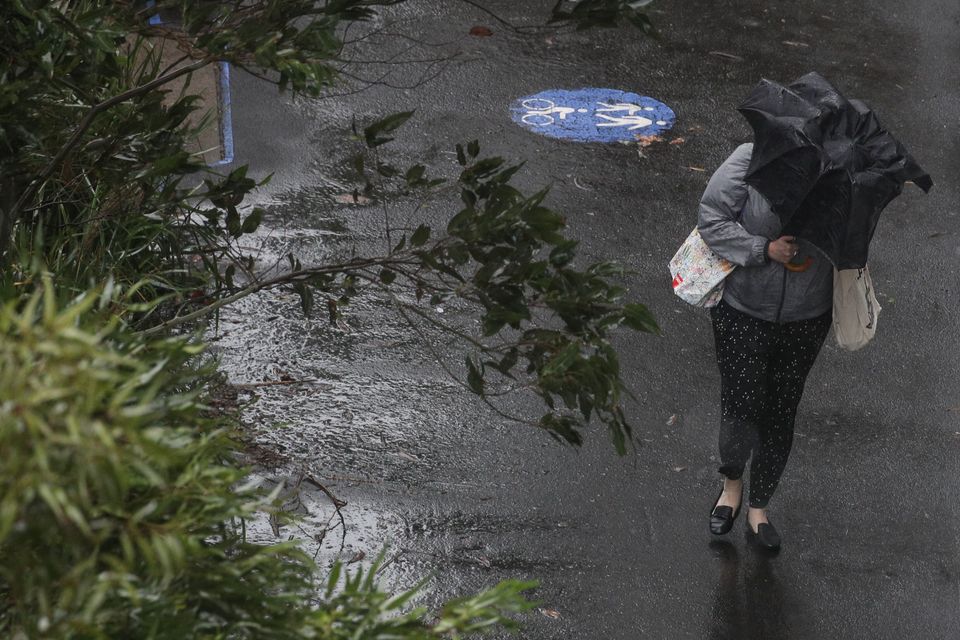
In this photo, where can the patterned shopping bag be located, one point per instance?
(698, 273)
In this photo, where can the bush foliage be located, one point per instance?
(122, 506)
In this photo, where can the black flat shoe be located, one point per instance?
(765, 537)
(723, 517)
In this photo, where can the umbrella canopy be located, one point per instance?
(825, 164)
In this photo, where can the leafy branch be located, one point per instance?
(544, 323)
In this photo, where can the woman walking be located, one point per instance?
(768, 327)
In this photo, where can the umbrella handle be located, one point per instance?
(798, 268)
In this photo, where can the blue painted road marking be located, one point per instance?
(592, 115)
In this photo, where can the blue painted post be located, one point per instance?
(226, 113)
(155, 18)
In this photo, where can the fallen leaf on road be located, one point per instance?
(580, 186)
(728, 56)
(550, 613)
(357, 557)
(672, 420)
(646, 141)
(481, 32)
(483, 561)
(700, 169)
(351, 198)
(794, 43)
(678, 141)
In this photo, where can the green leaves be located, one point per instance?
(373, 134)
(474, 377)
(420, 236)
(506, 255)
(116, 480)
(637, 316)
(472, 150)
(358, 609)
(122, 495)
(587, 14)
(252, 222)
(382, 180)
(121, 509)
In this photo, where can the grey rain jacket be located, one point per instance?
(736, 222)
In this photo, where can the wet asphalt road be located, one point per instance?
(868, 505)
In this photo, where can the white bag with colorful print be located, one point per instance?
(698, 273)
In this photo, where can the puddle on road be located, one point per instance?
(360, 403)
(363, 408)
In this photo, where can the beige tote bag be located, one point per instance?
(855, 308)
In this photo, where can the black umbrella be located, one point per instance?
(825, 164)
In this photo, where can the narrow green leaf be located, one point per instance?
(387, 171)
(373, 134)
(638, 317)
(415, 174)
(358, 163)
(474, 377)
(233, 222)
(252, 221)
(420, 236)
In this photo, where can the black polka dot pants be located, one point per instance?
(763, 367)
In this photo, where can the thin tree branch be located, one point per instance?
(286, 278)
(490, 13)
(337, 504)
(504, 22)
(443, 365)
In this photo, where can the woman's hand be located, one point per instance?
(783, 249)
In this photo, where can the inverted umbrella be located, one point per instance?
(825, 164)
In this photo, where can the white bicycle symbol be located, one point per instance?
(540, 112)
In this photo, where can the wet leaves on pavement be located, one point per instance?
(646, 141)
(352, 198)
